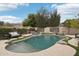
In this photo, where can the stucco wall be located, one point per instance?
(60, 30)
(70, 31)
(64, 30)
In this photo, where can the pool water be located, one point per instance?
(34, 44)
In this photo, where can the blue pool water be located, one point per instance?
(34, 44)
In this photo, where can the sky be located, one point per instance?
(17, 12)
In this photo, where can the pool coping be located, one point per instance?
(63, 50)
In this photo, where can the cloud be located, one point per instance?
(10, 6)
(68, 11)
(10, 19)
(68, 8)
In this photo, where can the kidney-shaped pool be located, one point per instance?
(33, 44)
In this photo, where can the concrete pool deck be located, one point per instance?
(56, 50)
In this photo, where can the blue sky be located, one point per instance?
(16, 13)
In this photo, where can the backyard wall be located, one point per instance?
(40, 29)
(54, 29)
(70, 31)
(65, 30)
(73, 31)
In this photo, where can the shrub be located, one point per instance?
(4, 31)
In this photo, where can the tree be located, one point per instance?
(36, 20)
(68, 25)
(42, 19)
(25, 22)
(71, 23)
(74, 23)
(30, 21)
(54, 19)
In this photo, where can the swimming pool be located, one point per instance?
(34, 44)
